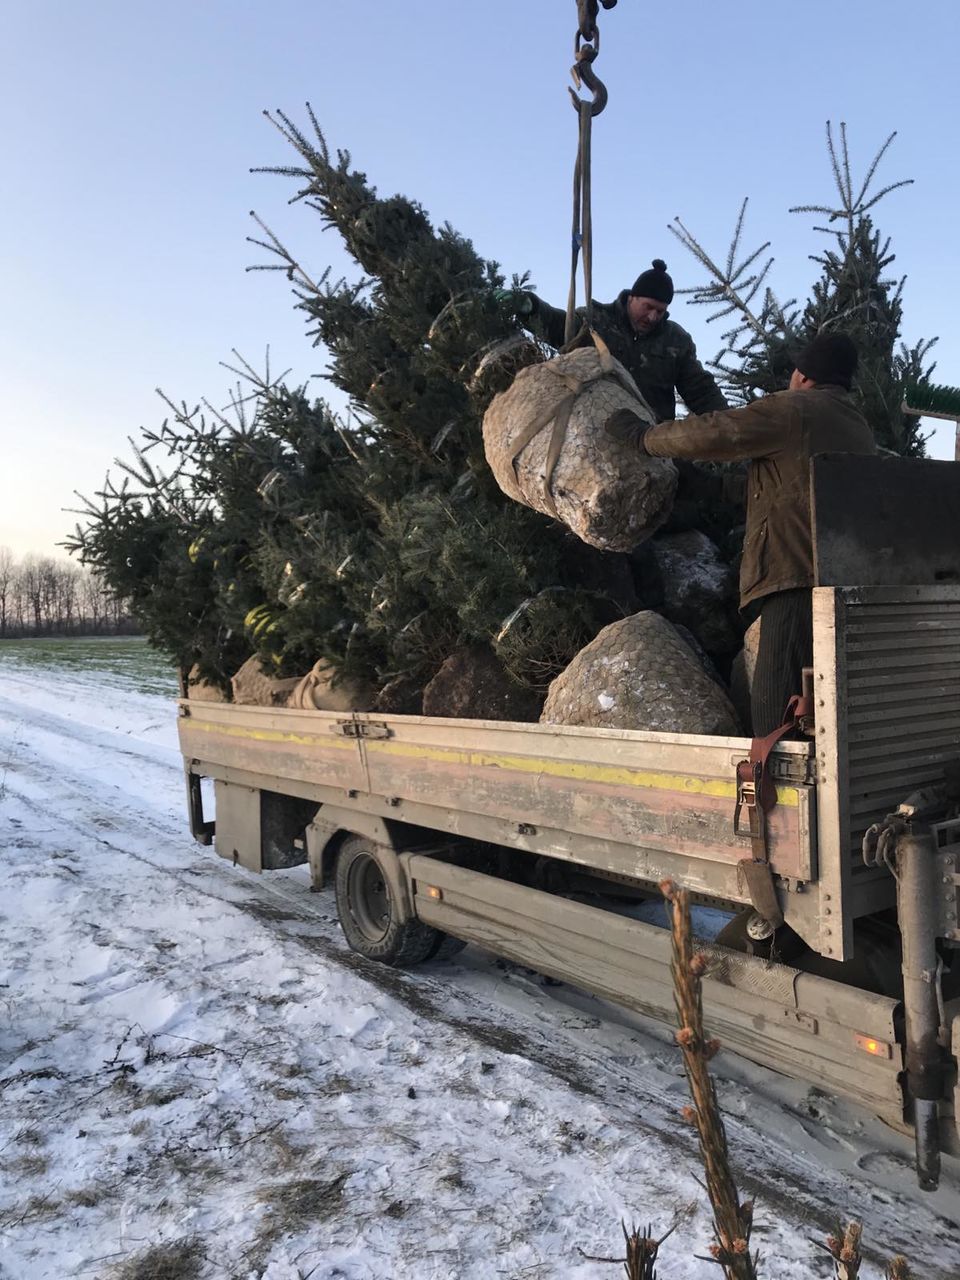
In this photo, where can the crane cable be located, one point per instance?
(586, 47)
(571, 383)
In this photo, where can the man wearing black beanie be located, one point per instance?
(778, 435)
(655, 350)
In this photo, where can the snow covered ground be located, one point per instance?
(198, 1080)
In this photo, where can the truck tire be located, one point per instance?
(367, 910)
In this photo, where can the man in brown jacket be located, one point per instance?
(778, 435)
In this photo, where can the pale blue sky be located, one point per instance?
(130, 130)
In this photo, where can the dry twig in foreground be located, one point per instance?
(844, 1248)
(732, 1221)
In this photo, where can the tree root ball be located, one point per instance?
(253, 686)
(606, 492)
(640, 674)
(320, 690)
(699, 588)
(472, 685)
(201, 690)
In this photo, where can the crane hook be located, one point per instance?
(584, 74)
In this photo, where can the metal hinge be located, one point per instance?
(363, 729)
(804, 1020)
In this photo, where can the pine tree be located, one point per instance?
(381, 543)
(854, 294)
(421, 344)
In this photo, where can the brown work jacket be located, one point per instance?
(779, 435)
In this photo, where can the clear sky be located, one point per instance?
(130, 129)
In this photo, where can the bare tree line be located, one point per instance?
(41, 596)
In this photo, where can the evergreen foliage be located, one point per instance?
(854, 294)
(756, 357)
(421, 345)
(380, 542)
(383, 545)
(200, 549)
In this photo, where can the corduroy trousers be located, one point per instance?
(786, 647)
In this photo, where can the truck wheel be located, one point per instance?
(368, 913)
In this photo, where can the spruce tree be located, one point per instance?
(421, 343)
(207, 552)
(854, 294)
(381, 545)
(379, 542)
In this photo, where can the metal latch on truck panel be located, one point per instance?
(757, 795)
(363, 729)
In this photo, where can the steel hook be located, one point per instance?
(584, 74)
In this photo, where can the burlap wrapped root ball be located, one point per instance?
(699, 588)
(254, 686)
(320, 690)
(610, 495)
(200, 690)
(639, 674)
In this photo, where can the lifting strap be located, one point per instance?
(560, 410)
(757, 794)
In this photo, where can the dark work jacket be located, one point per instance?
(659, 362)
(779, 435)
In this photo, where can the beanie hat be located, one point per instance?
(654, 283)
(829, 360)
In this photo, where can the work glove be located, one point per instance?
(518, 301)
(627, 428)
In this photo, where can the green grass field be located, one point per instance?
(113, 660)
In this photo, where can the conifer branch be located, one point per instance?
(288, 263)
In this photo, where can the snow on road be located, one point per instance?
(196, 1073)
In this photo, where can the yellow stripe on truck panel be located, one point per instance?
(614, 775)
(272, 735)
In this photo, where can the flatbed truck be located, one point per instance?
(525, 838)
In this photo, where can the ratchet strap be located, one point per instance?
(756, 796)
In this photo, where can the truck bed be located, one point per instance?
(644, 805)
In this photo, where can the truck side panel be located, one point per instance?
(643, 805)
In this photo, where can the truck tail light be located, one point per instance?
(876, 1048)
